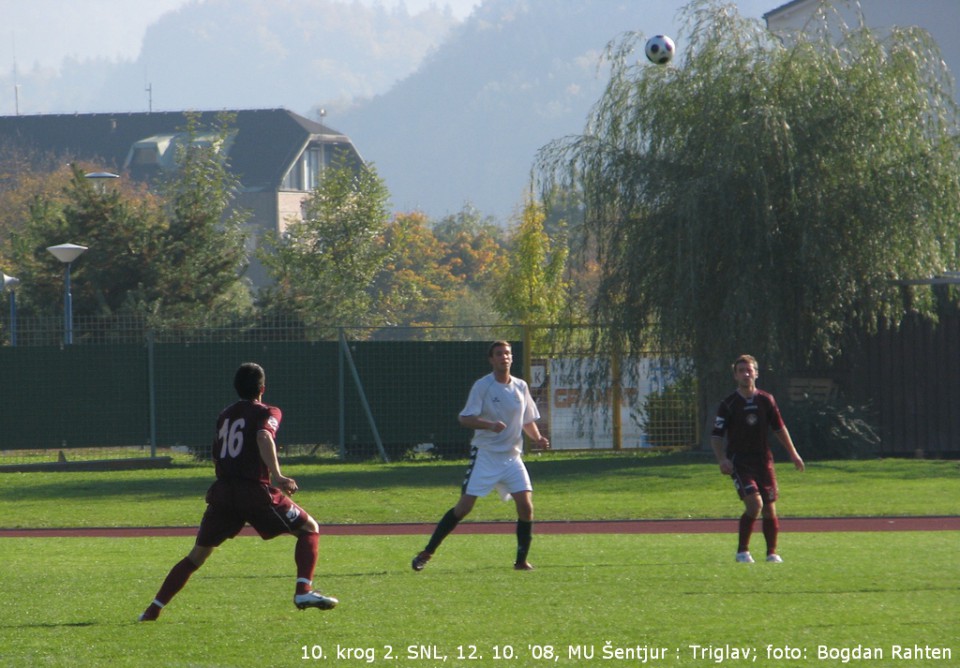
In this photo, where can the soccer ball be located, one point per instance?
(660, 49)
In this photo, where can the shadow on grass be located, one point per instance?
(76, 491)
(50, 625)
(180, 482)
(901, 469)
(192, 481)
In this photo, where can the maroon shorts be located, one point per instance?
(233, 503)
(752, 476)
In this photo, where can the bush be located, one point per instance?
(829, 430)
(668, 417)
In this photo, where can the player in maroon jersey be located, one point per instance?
(245, 456)
(742, 422)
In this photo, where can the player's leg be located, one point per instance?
(272, 513)
(175, 581)
(220, 522)
(464, 506)
(305, 554)
(516, 480)
(444, 527)
(752, 507)
(771, 531)
(524, 503)
(450, 520)
(745, 480)
(770, 521)
(477, 482)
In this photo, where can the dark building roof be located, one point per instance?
(267, 141)
(782, 8)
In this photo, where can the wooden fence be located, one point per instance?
(911, 379)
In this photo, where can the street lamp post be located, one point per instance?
(67, 253)
(10, 283)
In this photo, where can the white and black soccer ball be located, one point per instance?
(660, 49)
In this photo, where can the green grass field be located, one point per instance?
(567, 487)
(674, 600)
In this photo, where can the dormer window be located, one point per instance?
(161, 150)
(145, 155)
(306, 172)
(151, 151)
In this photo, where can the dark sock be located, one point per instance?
(524, 538)
(446, 524)
(771, 528)
(746, 530)
(305, 554)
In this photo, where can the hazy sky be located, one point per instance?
(45, 32)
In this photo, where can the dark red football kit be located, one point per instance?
(746, 423)
(242, 492)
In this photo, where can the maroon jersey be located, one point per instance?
(235, 451)
(746, 422)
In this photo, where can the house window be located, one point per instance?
(312, 167)
(146, 155)
(294, 178)
(307, 171)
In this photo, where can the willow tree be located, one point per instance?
(764, 196)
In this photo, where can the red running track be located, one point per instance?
(798, 525)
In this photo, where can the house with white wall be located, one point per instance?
(940, 18)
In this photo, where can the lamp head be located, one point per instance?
(67, 253)
(9, 282)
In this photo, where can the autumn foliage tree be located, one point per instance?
(173, 255)
(532, 289)
(416, 281)
(120, 226)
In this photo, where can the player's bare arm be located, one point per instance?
(784, 437)
(477, 422)
(726, 466)
(533, 431)
(268, 452)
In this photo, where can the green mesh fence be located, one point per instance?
(125, 391)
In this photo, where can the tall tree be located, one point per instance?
(474, 252)
(176, 255)
(203, 247)
(120, 225)
(325, 264)
(532, 290)
(474, 247)
(763, 196)
(414, 283)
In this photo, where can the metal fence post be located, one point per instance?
(616, 397)
(152, 382)
(341, 390)
(345, 354)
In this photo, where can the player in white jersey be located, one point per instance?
(500, 409)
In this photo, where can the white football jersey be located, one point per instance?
(510, 403)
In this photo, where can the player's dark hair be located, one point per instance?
(249, 380)
(498, 344)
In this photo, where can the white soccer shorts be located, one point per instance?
(503, 471)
